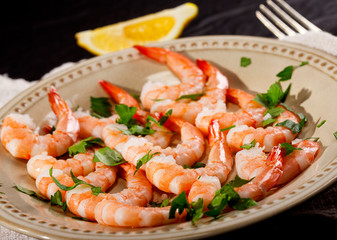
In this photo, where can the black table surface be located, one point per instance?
(37, 36)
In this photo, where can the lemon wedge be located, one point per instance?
(164, 25)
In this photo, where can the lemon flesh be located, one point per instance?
(164, 25)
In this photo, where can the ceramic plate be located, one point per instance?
(313, 92)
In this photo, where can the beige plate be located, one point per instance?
(313, 92)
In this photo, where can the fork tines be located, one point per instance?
(282, 20)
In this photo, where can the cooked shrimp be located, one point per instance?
(192, 78)
(19, 139)
(103, 176)
(246, 103)
(266, 178)
(80, 164)
(299, 160)
(161, 136)
(200, 112)
(133, 148)
(163, 171)
(266, 137)
(204, 188)
(120, 209)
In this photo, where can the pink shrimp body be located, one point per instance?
(204, 188)
(163, 171)
(120, 209)
(267, 137)
(103, 176)
(299, 160)
(133, 148)
(265, 179)
(80, 164)
(191, 76)
(18, 137)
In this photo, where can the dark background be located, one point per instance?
(37, 36)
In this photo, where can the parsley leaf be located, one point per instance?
(293, 126)
(147, 157)
(248, 145)
(81, 146)
(273, 112)
(126, 114)
(108, 156)
(31, 193)
(196, 165)
(289, 148)
(56, 199)
(160, 204)
(335, 134)
(321, 124)
(100, 107)
(245, 61)
(273, 96)
(287, 72)
(193, 97)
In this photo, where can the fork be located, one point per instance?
(292, 22)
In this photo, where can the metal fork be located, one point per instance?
(291, 23)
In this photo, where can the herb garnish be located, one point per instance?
(248, 145)
(321, 124)
(288, 148)
(31, 193)
(160, 204)
(108, 156)
(56, 199)
(226, 196)
(196, 165)
(147, 157)
(335, 134)
(227, 128)
(100, 107)
(245, 61)
(81, 146)
(287, 72)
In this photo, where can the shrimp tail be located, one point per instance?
(68, 121)
(215, 78)
(118, 95)
(157, 54)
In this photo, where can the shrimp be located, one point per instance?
(299, 160)
(192, 78)
(164, 172)
(246, 103)
(20, 141)
(80, 164)
(267, 177)
(133, 148)
(200, 112)
(162, 136)
(204, 188)
(120, 209)
(266, 137)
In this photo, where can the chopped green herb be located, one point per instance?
(52, 130)
(196, 165)
(289, 148)
(273, 112)
(166, 116)
(126, 114)
(108, 156)
(194, 209)
(80, 218)
(238, 182)
(321, 124)
(287, 72)
(293, 126)
(160, 204)
(245, 61)
(274, 95)
(248, 145)
(160, 123)
(100, 107)
(268, 121)
(147, 157)
(315, 139)
(227, 128)
(81, 146)
(31, 193)
(56, 199)
(193, 97)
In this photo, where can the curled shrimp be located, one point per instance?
(266, 137)
(192, 78)
(163, 171)
(133, 148)
(200, 112)
(120, 209)
(267, 177)
(299, 160)
(21, 141)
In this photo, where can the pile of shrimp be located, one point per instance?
(201, 124)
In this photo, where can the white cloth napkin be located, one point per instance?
(320, 40)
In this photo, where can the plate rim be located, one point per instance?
(211, 229)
